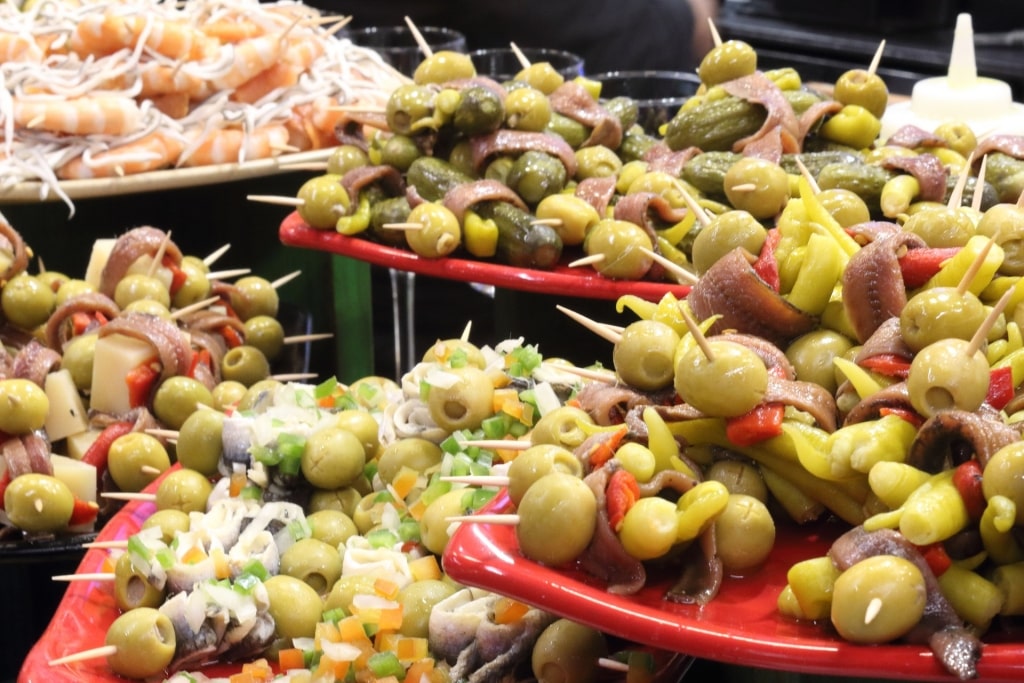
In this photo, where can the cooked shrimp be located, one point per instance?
(249, 58)
(103, 34)
(149, 153)
(312, 125)
(96, 115)
(235, 145)
(158, 78)
(296, 58)
(15, 47)
(233, 30)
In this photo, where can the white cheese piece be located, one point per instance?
(67, 411)
(78, 444)
(79, 476)
(116, 355)
(97, 260)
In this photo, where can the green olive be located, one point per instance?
(465, 403)
(557, 519)
(535, 175)
(24, 406)
(53, 279)
(199, 444)
(745, 533)
(346, 588)
(72, 288)
(144, 643)
(758, 186)
(313, 561)
(845, 206)
(136, 459)
(132, 588)
(333, 527)
(364, 425)
(227, 394)
(185, 490)
(244, 364)
(575, 216)
(650, 528)
(812, 354)
(941, 226)
(958, 136)
(253, 295)
(536, 462)
(1002, 476)
(527, 109)
(369, 513)
(942, 377)
(643, 356)
(344, 500)
(400, 151)
(739, 477)
(434, 523)
(259, 396)
(542, 76)
(660, 183)
(562, 427)
(637, 459)
(499, 168)
(864, 88)
(171, 522)
(196, 286)
(407, 105)
(597, 161)
(418, 599)
(938, 313)
(731, 60)
(725, 233)
(415, 453)
(455, 352)
(346, 157)
(730, 383)
(440, 233)
(1005, 224)
(333, 458)
(878, 599)
(38, 503)
(621, 245)
(148, 307)
(294, 605)
(324, 201)
(26, 301)
(443, 66)
(178, 397)
(567, 651)
(136, 286)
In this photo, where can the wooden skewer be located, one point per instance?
(163, 433)
(94, 653)
(285, 279)
(97, 576)
(806, 173)
(304, 166)
(327, 19)
(715, 36)
(299, 338)
(357, 109)
(872, 610)
(957, 196)
(553, 222)
(498, 444)
(276, 199)
(598, 375)
(334, 28)
(424, 48)
(478, 480)
(504, 520)
(38, 504)
(979, 337)
(128, 495)
(150, 470)
(224, 274)
(744, 187)
(293, 376)
(402, 226)
(680, 273)
(694, 328)
(192, 308)
(465, 331)
(698, 210)
(1020, 200)
(587, 260)
(965, 281)
(597, 328)
(877, 58)
(212, 258)
(107, 545)
(979, 185)
(285, 149)
(523, 61)
(40, 264)
(159, 256)
(612, 664)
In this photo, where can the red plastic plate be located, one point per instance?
(740, 626)
(580, 282)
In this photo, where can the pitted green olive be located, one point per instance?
(464, 402)
(943, 376)
(245, 364)
(144, 643)
(561, 427)
(132, 588)
(537, 461)
(313, 561)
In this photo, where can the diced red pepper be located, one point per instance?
(231, 336)
(760, 424)
(621, 494)
(967, 479)
(604, 450)
(178, 276)
(140, 382)
(4, 481)
(919, 265)
(910, 416)
(1000, 387)
(80, 322)
(96, 453)
(83, 512)
(202, 356)
(888, 364)
(937, 558)
(766, 266)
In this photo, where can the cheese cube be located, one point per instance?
(79, 476)
(67, 411)
(116, 355)
(78, 444)
(97, 260)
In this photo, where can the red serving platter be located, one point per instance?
(740, 626)
(582, 282)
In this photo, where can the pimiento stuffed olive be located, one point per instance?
(557, 518)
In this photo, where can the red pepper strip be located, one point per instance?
(967, 479)
(1000, 387)
(604, 450)
(937, 558)
(140, 381)
(80, 322)
(200, 356)
(621, 494)
(766, 266)
(760, 424)
(919, 265)
(83, 512)
(4, 481)
(178, 276)
(909, 415)
(96, 453)
(100, 318)
(231, 336)
(888, 364)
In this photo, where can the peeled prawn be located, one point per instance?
(235, 145)
(104, 34)
(312, 125)
(15, 47)
(149, 153)
(249, 58)
(296, 59)
(96, 115)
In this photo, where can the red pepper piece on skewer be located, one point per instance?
(621, 494)
(96, 454)
(967, 479)
(919, 265)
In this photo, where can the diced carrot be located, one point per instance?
(386, 588)
(352, 630)
(502, 397)
(237, 483)
(405, 481)
(221, 568)
(426, 567)
(391, 618)
(411, 649)
(418, 669)
(291, 658)
(242, 677)
(509, 611)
